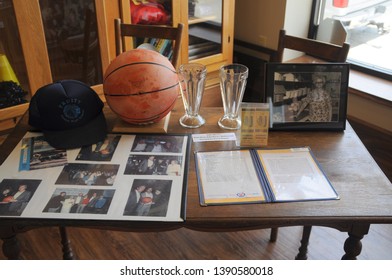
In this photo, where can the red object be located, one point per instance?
(340, 3)
(146, 200)
(141, 86)
(148, 13)
(8, 198)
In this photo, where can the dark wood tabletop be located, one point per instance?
(365, 192)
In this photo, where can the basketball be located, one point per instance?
(141, 86)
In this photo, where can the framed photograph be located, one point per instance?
(306, 96)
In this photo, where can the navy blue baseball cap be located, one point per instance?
(69, 113)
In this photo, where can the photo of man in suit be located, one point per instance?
(133, 200)
(19, 201)
(16, 194)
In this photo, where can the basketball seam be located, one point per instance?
(136, 63)
(141, 92)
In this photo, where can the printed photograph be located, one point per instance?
(15, 194)
(158, 144)
(88, 174)
(307, 97)
(36, 153)
(148, 198)
(102, 151)
(153, 165)
(91, 201)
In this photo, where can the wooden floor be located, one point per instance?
(325, 244)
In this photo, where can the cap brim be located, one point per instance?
(88, 134)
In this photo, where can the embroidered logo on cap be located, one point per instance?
(72, 112)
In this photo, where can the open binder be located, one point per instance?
(261, 176)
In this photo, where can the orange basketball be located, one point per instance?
(141, 86)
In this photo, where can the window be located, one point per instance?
(367, 28)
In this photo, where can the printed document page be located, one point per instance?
(294, 175)
(228, 177)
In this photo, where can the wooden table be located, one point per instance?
(365, 192)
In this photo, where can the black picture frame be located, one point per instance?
(307, 96)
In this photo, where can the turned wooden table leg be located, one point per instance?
(353, 245)
(11, 249)
(303, 249)
(67, 249)
(274, 234)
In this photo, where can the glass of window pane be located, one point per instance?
(72, 40)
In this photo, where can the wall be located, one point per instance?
(370, 112)
(258, 22)
(296, 22)
(271, 15)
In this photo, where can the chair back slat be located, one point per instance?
(174, 34)
(322, 50)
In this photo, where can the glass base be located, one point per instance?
(192, 121)
(229, 123)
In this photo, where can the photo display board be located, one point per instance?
(140, 177)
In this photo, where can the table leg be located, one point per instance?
(303, 249)
(353, 245)
(274, 234)
(67, 249)
(11, 249)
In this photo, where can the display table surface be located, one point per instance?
(365, 192)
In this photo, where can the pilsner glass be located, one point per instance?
(233, 79)
(192, 78)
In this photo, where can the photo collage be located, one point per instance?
(125, 177)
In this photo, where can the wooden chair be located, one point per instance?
(324, 52)
(81, 53)
(321, 50)
(149, 31)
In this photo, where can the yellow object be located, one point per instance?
(255, 124)
(6, 72)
